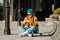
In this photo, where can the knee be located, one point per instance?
(20, 28)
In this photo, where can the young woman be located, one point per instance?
(30, 24)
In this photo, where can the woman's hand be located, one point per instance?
(26, 21)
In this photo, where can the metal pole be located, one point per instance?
(19, 15)
(7, 19)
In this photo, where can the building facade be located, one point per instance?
(42, 8)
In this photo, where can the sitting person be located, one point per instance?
(30, 24)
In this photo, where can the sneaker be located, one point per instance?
(30, 35)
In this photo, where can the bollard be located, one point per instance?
(7, 18)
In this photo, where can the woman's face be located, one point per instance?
(30, 15)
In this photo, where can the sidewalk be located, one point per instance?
(15, 33)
